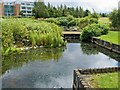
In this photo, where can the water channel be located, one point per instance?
(48, 68)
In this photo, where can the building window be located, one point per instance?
(23, 3)
(29, 12)
(27, 4)
(8, 10)
(29, 8)
(24, 11)
(32, 4)
(23, 7)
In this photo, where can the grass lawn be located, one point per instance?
(106, 80)
(112, 37)
(104, 20)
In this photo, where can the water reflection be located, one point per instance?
(48, 68)
(107, 52)
(93, 49)
(42, 54)
(88, 49)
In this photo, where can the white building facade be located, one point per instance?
(15, 8)
(26, 8)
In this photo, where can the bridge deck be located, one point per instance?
(71, 32)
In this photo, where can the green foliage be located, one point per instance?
(53, 20)
(94, 14)
(40, 10)
(64, 21)
(44, 54)
(7, 36)
(115, 18)
(70, 21)
(46, 34)
(87, 12)
(83, 22)
(22, 32)
(93, 30)
(103, 14)
(88, 49)
(43, 11)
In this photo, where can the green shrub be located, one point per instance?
(83, 22)
(53, 20)
(68, 21)
(93, 30)
(63, 21)
(45, 34)
(22, 32)
(71, 23)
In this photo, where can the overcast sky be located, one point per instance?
(98, 5)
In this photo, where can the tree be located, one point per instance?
(77, 12)
(115, 18)
(21, 13)
(40, 10)
(81, 12)
(87, 12)
(94, 14)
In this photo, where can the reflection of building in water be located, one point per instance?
(17, 7)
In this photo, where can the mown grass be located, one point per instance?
(107, 80)
(112, 36)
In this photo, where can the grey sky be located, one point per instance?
(98, 5)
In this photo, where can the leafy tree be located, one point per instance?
(40, 10)
(21, 13)
(115, 18)
(94, 14)
(87, 12)
(81, 12)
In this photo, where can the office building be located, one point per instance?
(15, 8)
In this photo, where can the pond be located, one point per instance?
(48, 68)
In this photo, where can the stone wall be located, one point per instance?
(79, 75)
(107, 45)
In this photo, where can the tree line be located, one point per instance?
(47, 11)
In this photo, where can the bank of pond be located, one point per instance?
(26, 32)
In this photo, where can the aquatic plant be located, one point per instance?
(23, 32)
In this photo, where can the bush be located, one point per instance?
(45, 34)
(63, 21)
(53, 20)
(22, 32)
(83, 22)
(68, 21)
(93, 30)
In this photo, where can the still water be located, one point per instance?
(48, 68)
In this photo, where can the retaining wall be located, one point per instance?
(107, 45)
(79, 75)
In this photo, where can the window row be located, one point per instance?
(27, 4)
(29, 8)
(26, 11)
